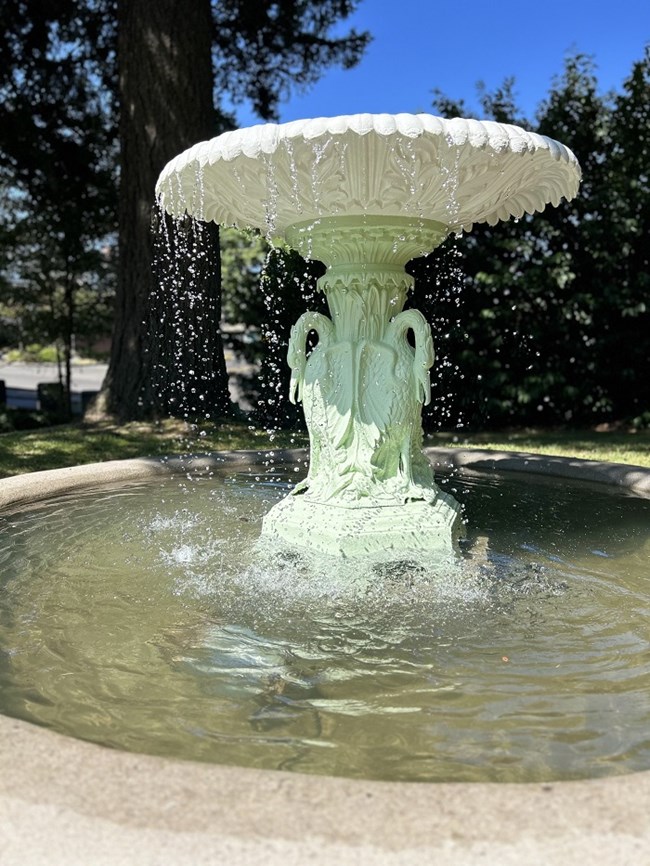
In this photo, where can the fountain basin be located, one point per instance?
(61, 798)
(457, 172)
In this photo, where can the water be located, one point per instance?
(141, 617)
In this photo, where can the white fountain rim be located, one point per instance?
(265, 138)
(271, 175)
(38, 486)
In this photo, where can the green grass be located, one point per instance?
(73, 444)
(612, 446)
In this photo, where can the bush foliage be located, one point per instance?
(538, 321)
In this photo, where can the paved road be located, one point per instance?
(22, 379)
(85, 377)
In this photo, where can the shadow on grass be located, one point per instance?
(74, 444)
(614, 446)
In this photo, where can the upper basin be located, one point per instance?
(456, 172)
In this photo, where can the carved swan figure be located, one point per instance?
(393, 399)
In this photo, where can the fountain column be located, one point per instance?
(370, 488)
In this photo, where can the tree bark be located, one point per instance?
(165, 83)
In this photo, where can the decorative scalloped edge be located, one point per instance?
(263, 140)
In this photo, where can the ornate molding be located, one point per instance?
(364, 252)
(363, 386)
(456, 172)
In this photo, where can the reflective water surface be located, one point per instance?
(142, 617)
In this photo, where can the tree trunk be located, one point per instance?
(165, 71)
(68, 336)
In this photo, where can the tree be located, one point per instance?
(626, 321)
(243, 254)
(46, 295)
(549, 322)
(57, 152)
(167, 54)
(165, 89)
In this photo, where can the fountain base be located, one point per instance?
(391, 531)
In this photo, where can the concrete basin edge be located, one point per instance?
(68, 802)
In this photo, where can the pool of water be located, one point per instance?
(143, 617)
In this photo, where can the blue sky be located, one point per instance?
(420, 45)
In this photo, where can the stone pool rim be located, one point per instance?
(65, 801)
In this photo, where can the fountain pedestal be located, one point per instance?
(369, 489)
(393, 532)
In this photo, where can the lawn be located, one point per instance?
(73, 444)
(613, 446)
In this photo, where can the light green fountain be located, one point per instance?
(365, 194)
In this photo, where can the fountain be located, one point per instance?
(134, 614)
(365, 194)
